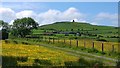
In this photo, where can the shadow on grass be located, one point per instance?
(84, 64)
(41, 62)
(10, 61)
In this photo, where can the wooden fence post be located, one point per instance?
(64, 40)
(93, 45)
(112, 48)
(58, 40)
(102, 47)
(49, 39)
(77, 42)
(84, 44)
(53, 40)
(70, 42)
(45, 39)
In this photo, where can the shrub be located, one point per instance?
(25, 43)
(101, 52)
(9, 61)
(15, 42)
(92, 50)
(7, 41)
(42, 62)
(97, 64)
(22, 59)
(4, 34)
(111, 53)
(118, 62)
(82, 48)
(71, 63)
(83, 62)
(101, 40)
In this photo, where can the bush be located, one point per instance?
(97, 64)
(82, 48)
(4, 34)
(101, 52)
(42, 62)
(15, 42)
(9, 61)
(71, 63)
(101, 40)
(118, 64)
(92, 50)
(7, 41)
(83, 62)
(25, 43)
(111, 53)
(22, 59)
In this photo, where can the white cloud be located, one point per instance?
(26, 13)
(102, 16)
(72, 13)
(47, 17)
(107, 19)
(52, 16)
(7, 14)
(11, 22)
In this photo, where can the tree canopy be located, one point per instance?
(3, 25)
(4, 30)
(22, 27)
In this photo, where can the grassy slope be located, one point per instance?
(103, 30)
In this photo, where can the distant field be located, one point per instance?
(86, 30)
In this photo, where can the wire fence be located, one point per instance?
(101, 46)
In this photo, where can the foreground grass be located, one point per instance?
(17, 54)
(32, 54)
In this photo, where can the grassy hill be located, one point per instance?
(79, 26)
(75, 26)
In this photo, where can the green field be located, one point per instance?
(86, 30)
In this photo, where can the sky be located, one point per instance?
(60, 0)
(96, 13)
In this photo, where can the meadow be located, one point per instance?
(19, 54)
(27, 55)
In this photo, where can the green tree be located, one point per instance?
(4, 25)
(4, 30)
(71, 29)
(23, 27)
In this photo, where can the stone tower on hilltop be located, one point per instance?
(73, 21)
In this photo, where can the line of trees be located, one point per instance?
(20, 28)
